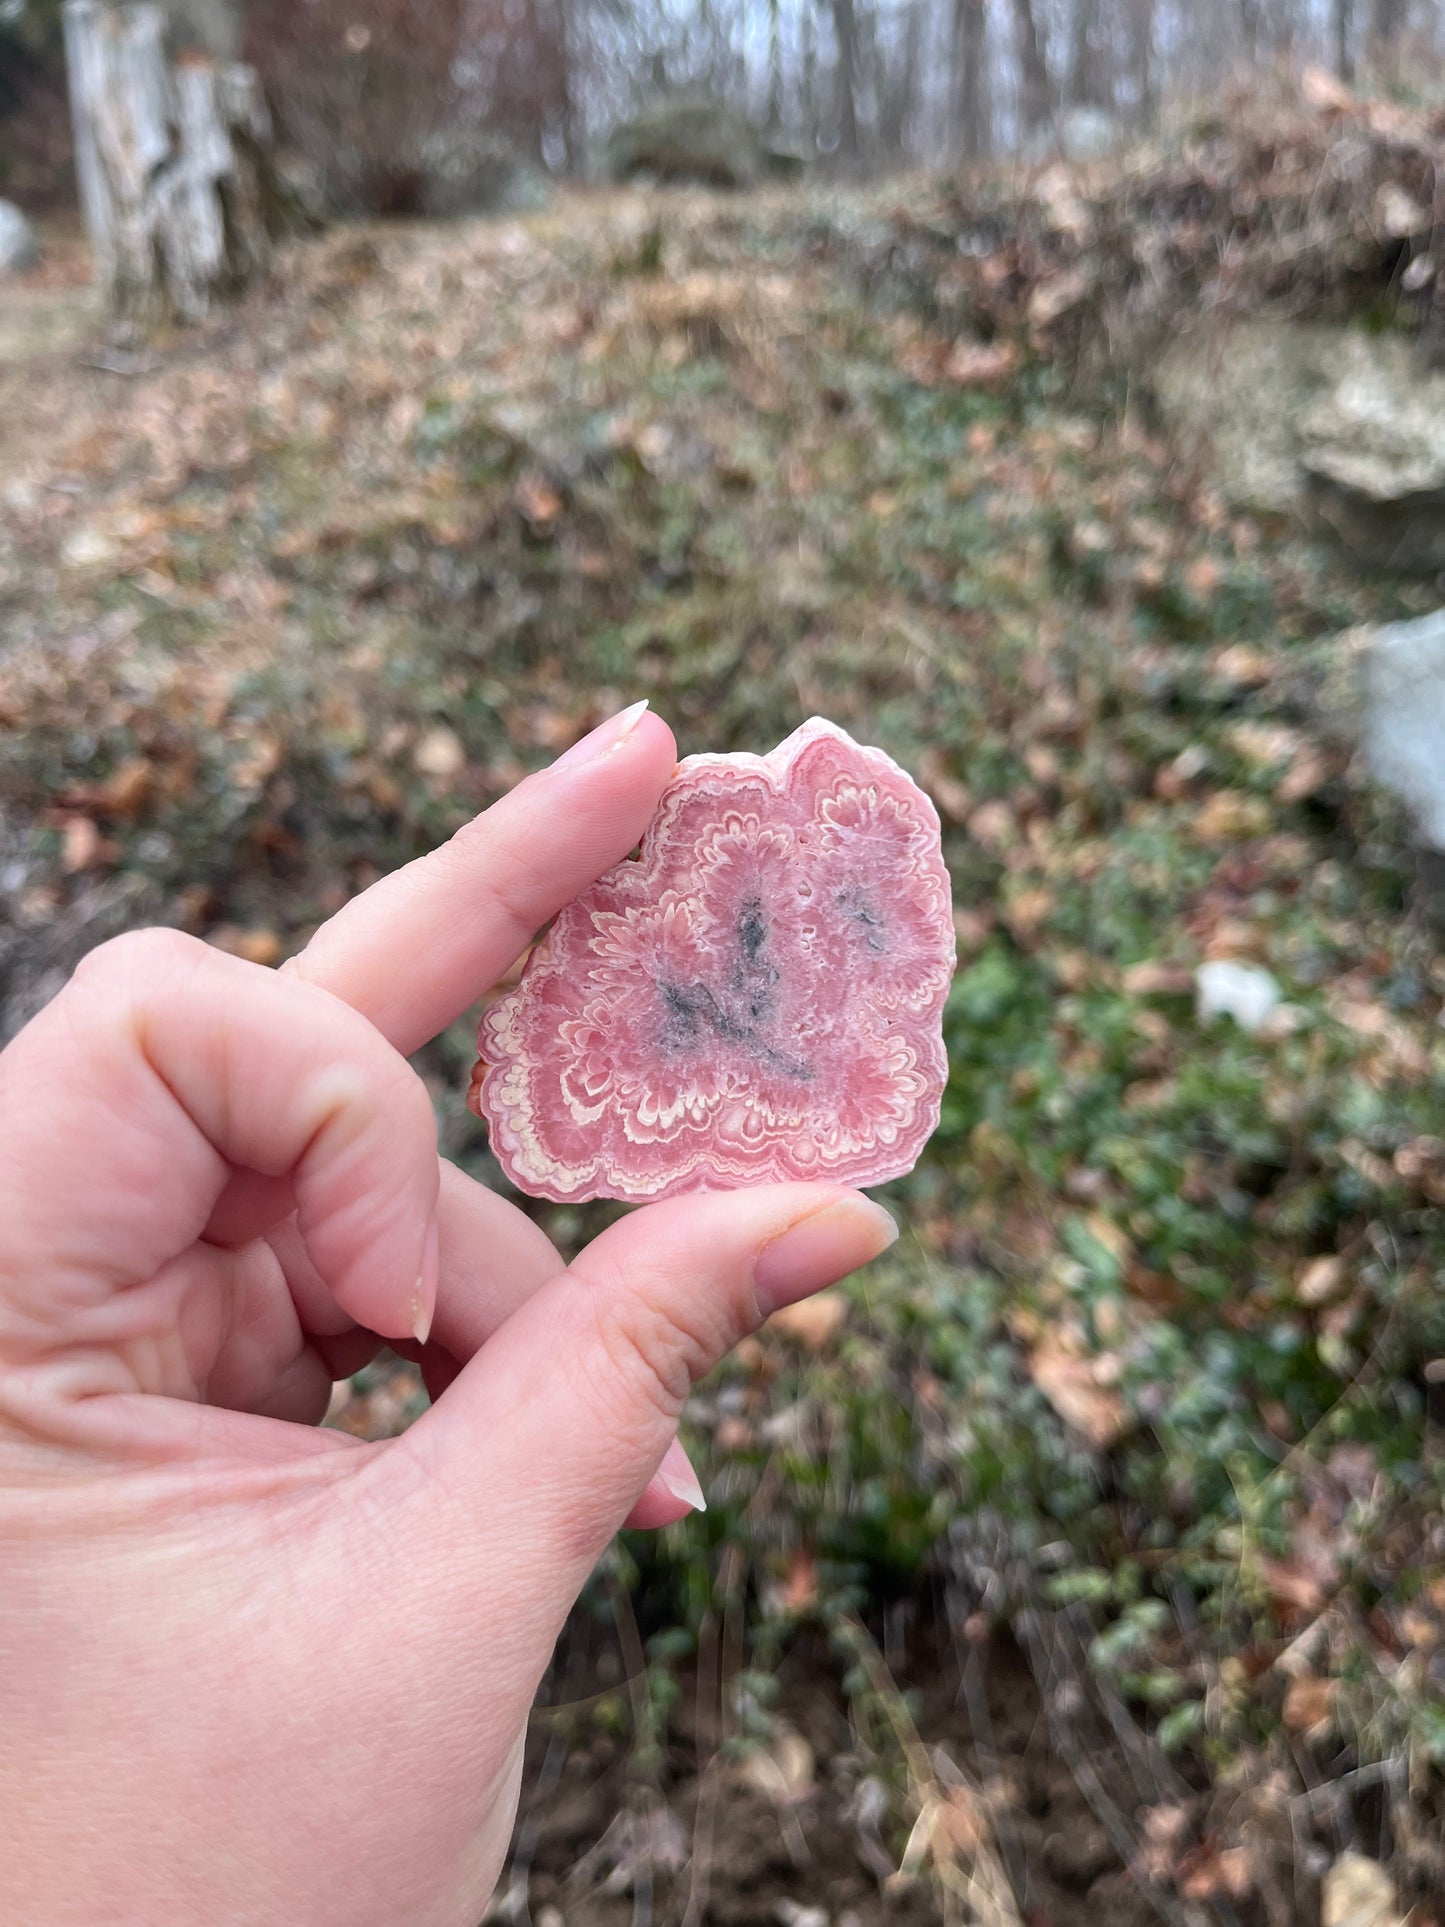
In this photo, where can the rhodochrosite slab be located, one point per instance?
(757, 997)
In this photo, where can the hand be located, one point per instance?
(256, 1672)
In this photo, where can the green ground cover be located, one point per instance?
(1148, 1381)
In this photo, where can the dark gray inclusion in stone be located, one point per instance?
(861, 911)
(742, 1012)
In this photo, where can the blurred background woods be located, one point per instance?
(1066, 414)
(383, 96)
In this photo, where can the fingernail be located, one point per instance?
(678, 1476)
(606, 737)
(819, 1250)
(424, 1296)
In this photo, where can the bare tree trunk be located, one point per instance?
(1141, 60)
(845, 26)
(568, 62)
(1036, 103)
(773, 64)
(210, 27)
(896, 90)
(970, 29)
(170, 161)
(908, 92)
(1085, 79)
(1387, 26)
(1250, 28)
(808, 79)
(1343, 22)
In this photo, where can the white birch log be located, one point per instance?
(171, 163)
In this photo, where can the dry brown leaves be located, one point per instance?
(1081, 1391)
(1319, 194)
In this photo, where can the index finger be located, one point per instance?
(413, 951)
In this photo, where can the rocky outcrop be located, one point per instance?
(1373, 458)
(1342, 428)
(19, 248)
(476, 172)
(1404, 719)
(697, 141)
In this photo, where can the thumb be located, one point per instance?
(547, 1439)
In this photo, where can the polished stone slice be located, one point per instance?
(758, 997)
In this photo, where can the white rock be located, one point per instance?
(18, 245)
(1405, 718)
(1359, 1893)
(88, 548)
(790, 1913)
(1082, 134)
(1242, 991)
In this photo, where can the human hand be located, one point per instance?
(256, 1672)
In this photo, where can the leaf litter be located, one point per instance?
(1141, 1407)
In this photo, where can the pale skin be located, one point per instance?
(253, 1671)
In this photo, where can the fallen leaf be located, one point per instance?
(1421, 1162)
(1239, 663)
(799, 1590)
(952, 797)
(1291, 1587)
(538, 500)
(972, 928)
(1419, 1630)
(1307, 1703)
(951, 1827)
(1399, 214)
(1072, 1386)
(784, 1771)
(81, 848)
(257, 946)
(1227, 815)
(1208, 1871)
(1305, 777)
(981, 364)
(1154, 978)
(812, 1322)
(1320, 1280)
(439, 753)
(1162, 1837)
(128, 790)
(992, 826)
(1054, 296)
(1104, 1231)
(1026, 914)
(1326, 91)
(1173, 781)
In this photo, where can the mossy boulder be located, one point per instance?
(697, 141)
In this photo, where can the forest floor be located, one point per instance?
(1084, 1559)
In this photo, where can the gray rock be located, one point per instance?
(1404, 720)
(1077, 1859)
(687, 139)
(1373, 455)
(1344, 430)
(470, 171)
(1082, 134)
(19, 248)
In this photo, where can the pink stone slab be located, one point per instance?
(759, 996)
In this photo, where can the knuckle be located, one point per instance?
(141, 956)
(477, 852)
(414, 1111)
(657, 1341)
(371, 1085)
